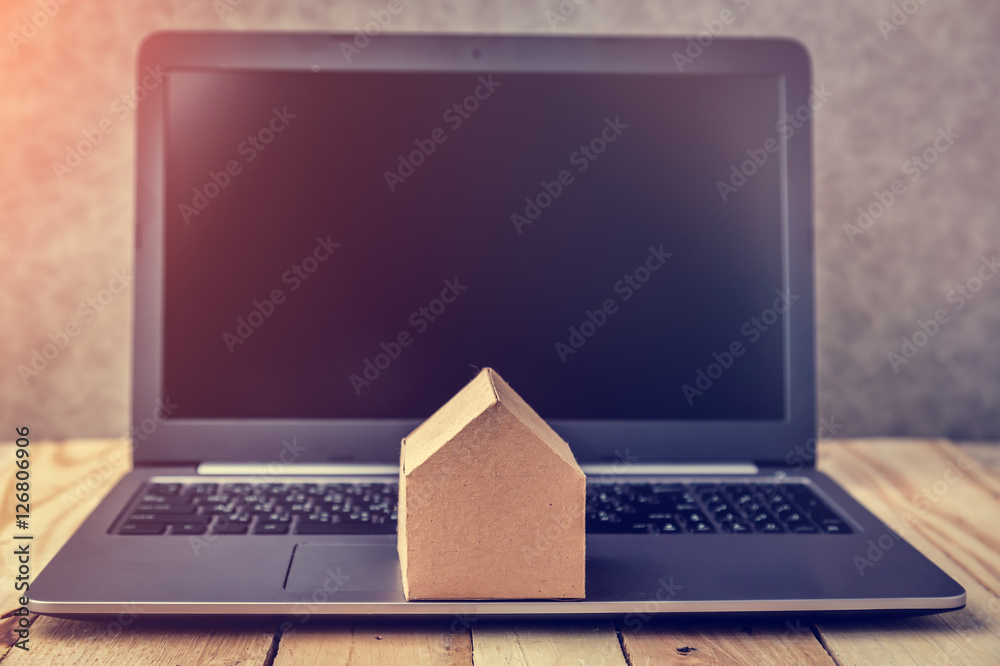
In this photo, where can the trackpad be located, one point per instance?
(337, 567)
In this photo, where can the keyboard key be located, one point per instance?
(769, 528)
(641, 527)
(760, 517)
(188, 528)
(270, 528)
(228, 528)
(168, 518)
(342, 528)
(141, 528)
(164, 488)
(801, 527)
(165, 508)
(836, 528)
(693, 521)
(598, 526)
(155, 498)
(666, 527)
(737, 527)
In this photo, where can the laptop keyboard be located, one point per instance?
(707, 508)
(370, 508)
(263, 508)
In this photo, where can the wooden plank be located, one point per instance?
(951, 499)
(952, 503)
(712, 641)
(985, 453)
(127, 640)
(953, 524)
(68, 480)
(377, 643)
(547, 644)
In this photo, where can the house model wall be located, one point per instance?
(491, 502)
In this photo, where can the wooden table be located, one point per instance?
(956, 525)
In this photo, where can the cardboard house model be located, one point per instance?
(491, 502)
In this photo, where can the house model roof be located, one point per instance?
(487, 390)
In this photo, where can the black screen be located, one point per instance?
(358, 244)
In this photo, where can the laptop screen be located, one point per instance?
(356, 245)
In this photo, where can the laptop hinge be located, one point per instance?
(677, 469)
(298, 469)
(333, 469)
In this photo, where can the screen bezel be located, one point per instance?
(183, 441)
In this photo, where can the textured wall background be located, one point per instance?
(62, 238)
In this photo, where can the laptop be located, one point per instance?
(333, 236)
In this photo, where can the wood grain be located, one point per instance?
(953, 518)
(953, 504)
(985, 453)
(712, 641)
(127, 640)
(376, 644)
(68, 480)
(587, 643)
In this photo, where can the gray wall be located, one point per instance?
(60, 241)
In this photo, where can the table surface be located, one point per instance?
(955, 524)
